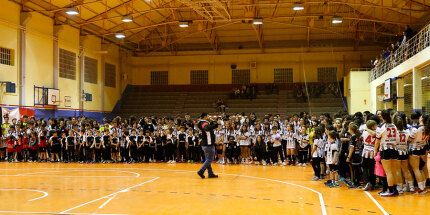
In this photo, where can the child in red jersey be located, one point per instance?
(10, 148)
(25, 147)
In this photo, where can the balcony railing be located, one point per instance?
(410, 48)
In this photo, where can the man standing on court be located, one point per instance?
(208, 144)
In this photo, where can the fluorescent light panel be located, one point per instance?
(72, 11)
(258, 21)
(127, 18)
(183, 24)
(336, 20)
(298, 6)
(120, 35)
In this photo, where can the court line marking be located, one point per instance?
(27, 212)
(45, 194)
(121, 191)
(321, 199)
(377, 203)
(106, 202)
(72, 170)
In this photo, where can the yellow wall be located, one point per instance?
(359, 89)
(304, 65)
(39, 65)
(40, 57)
(9, 20)
(68, 39)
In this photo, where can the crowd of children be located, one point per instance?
(351, 149)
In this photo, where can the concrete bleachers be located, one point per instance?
(143, 103)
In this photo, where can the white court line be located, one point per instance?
(72, 170)
(321, 199)
(49, 213)
(106, 202)
(45, 194)
(121, 191)
(376, 203)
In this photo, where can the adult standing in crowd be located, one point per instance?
(208, 144)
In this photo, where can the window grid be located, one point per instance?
(240, 76)
(90, 74)
(159, 78)
(110, 75)
(327, 74)
(67, 64)
(199, 76)
(283, 75)
(6, 56)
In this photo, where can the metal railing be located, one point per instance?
(410, 48)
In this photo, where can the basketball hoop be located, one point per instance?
(380, 97)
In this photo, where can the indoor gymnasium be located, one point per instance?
(215, 107)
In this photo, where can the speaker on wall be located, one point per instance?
(233, 66)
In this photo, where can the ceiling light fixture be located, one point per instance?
(120, 35)
(298, 6)
(72, 11)
(127, 18)
(336, 20)
(183, 24)
(424, 78)
(257, 21)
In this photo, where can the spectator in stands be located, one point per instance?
(253, 91)
(220, 106)
(236, 92)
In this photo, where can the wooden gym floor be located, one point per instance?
(45, 188)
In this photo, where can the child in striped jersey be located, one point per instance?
(303, 139)
(402, 148)
(290, 139)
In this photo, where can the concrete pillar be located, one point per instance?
(24, 19)
(105, 48)
(417, 90)
(400, 94)
(81, 70)
(56, 56)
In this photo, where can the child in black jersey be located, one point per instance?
(133, 145)
(146, 147)
(106, 149)
(88, 142)
(181, 145)
(55, 143)
(190, 146)
(232, 151)
(140, 146)
(69, 147)
(354, 156)
(97, 147)
(159, 148)
(260, 149)
(114, 147)
(152, 146)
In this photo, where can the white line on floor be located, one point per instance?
(49, 213)
(376, 203)
(107, 196)
(45, 194)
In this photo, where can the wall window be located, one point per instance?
(327, 74)
(67, 64)
(240, 76)
(283, 75)
(90, 74)
(199, 76)
(159, 78)
(6, 56)
(110, 75)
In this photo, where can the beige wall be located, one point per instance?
(359, 99)
(304, 65)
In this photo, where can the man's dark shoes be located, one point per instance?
(201, 174)
(212, 176)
